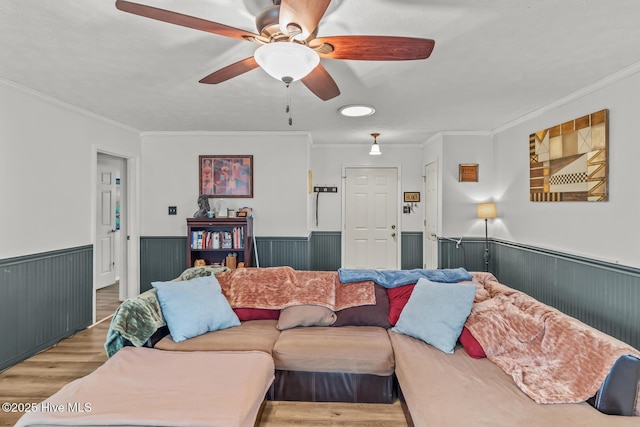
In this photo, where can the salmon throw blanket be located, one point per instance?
(552, 357)
(282, 287)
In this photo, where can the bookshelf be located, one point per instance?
(212, 239)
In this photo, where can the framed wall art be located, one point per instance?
(468, 172)
(226, 176)
(411, 196)
(569, 161)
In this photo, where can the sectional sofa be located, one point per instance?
(469, 352)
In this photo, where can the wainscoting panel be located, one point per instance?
(412, 254)
(469, 254)
(279, 251)
(326, 251)
(43, 298)
(161, 259)
(603, 295)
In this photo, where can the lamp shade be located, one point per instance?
(375, 150)
(286, 59)
(487, 210)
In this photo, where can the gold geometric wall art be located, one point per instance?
(569, 161)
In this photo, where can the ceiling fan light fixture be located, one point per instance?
(286, 59)
(356, 110)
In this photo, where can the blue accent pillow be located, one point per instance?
(194, 307)
(436, 312)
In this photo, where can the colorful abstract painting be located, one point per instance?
(569, 162)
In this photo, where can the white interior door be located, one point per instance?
(431, 216)
(371, 232)
(106, 225)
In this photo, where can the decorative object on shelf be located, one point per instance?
(203, 204)
(486, 211)
(468, 172)
(569, 161)
(226, 176)
(221, 208)
(244, 212)
(375, 148)
(231, 260)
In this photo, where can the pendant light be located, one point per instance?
(375, 148)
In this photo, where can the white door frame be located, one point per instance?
(425, 243)
(398, 208)
(130, 244)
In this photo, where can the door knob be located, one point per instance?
(393, 227)
(393, 234)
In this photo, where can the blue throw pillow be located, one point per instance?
(194, 307)
(436, 312)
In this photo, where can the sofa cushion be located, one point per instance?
(436, 312)
(471, 344)
(398, 298)
(194, 307)
(305, 315)
(251, 335)
(349, 349)
(367, 315)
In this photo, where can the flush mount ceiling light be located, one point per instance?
(375, 148)
(357, 110)
(286, 61)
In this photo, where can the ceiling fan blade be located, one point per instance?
(377, 48)
(184, 20)
(230, 71)
(306, 14)
(320, 82)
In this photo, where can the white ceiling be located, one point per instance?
(494, 61)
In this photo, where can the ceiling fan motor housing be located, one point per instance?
(267, 23)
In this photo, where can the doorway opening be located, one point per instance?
(112, 252)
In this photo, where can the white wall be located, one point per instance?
(603, 230)
(47, 163)
(170, 178)
(327, 162)
(458, 200)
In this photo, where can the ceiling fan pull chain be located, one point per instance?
(289, 104)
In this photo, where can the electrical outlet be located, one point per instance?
(173, 210)
(325, 189)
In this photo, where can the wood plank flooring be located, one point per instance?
(40, 376)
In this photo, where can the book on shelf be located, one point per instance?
(227, 239)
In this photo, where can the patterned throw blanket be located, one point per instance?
(552, 357)
(282, 287)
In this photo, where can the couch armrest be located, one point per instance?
(618, 393)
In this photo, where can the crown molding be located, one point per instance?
(594, 87)
(65, 105)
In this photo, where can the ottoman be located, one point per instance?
(143, 386)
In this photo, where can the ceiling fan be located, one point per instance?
(289, 49)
